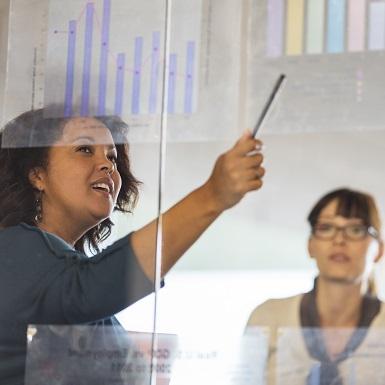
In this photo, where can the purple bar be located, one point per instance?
(120, 63)
(104, 57)
(70, 69)
(376, 26)
(135, 104)
(275, 24)
(189, 83)
(356, 25)
(172, 84)
(154, 72)
(85, 104)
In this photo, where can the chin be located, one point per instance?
(98, 218)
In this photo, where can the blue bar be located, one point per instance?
(135, 103)
(336, 26)
(155, 57)
(104, 57)
(69, 91)
(189, 82)
(120, 64)
(172, 84)
(85, 103)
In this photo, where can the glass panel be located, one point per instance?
(333, 84)
(4, 16)
(303, 356)
(56, 274)
(98, 355)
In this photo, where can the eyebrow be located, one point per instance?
(327, 217)
(92, 140)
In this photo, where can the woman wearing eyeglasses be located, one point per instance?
(335, 315)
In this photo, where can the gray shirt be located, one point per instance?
(45, 281)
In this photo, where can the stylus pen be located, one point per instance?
(277, 87)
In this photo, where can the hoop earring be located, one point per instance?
(39, 207)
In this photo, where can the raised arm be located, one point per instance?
(235, 173)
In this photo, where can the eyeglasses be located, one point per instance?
(354, 232)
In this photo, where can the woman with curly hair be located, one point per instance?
(61, 179)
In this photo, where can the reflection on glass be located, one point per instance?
(361, 362)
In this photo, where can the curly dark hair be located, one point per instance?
(24, 145)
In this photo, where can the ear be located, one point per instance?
(380, 251)
(36, 178)
(310, 247)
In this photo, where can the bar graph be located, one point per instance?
(308, 27)
(104, 65)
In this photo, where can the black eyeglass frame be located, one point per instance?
(370, 230)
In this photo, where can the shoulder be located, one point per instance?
(23, 237)
(379, 320)
(19, 234)
(283, 311)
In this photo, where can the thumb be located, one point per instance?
(246, 143)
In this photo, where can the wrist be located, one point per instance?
(209, 197)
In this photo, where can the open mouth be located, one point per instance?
(102, 187)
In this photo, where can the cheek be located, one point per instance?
(118, 183)
(317, 249)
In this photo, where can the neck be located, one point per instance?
(65, 228)
(338, 303)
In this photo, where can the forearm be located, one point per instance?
(182, 226)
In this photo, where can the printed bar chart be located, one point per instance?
(120, 69)
(155, 57)
(189, 85)
(306, 27)
(104, 58)
(70, 73)
(87, 60)
(135, 106)
(172, 83)
(108, 66)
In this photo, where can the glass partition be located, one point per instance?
(301, 356)
(187, 78)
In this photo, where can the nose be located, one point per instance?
(339, 237)
(107, 166)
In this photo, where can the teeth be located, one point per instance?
(103, 186)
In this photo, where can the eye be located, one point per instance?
(85, 149)
(113, 158)
(357, 229)
(324, 226)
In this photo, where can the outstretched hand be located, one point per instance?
(236, 172)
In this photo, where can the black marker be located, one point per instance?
(269, 102)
